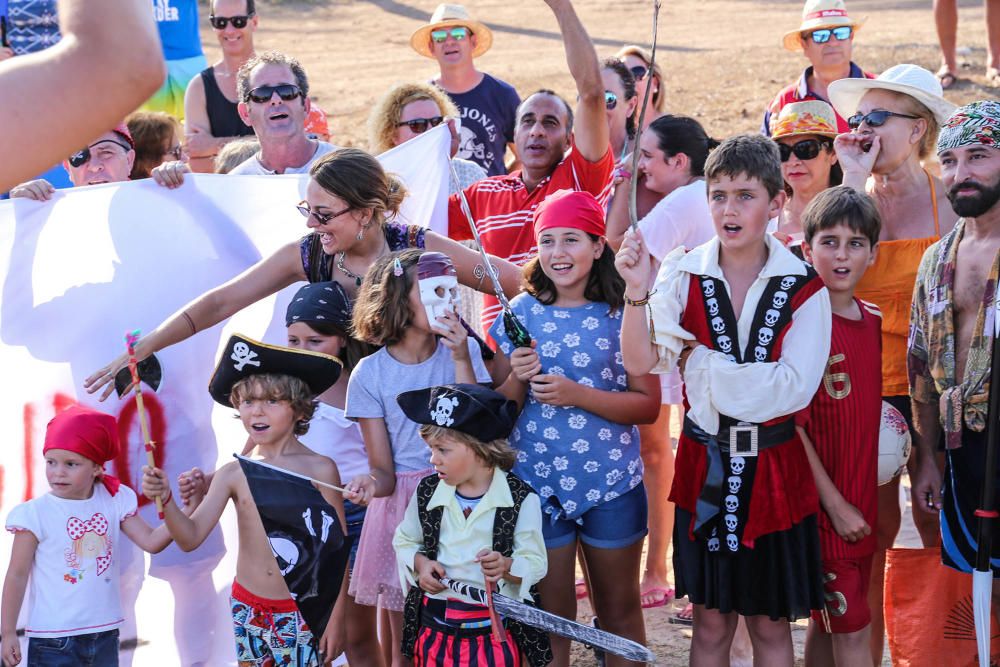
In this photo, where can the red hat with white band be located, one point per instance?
(816, 15)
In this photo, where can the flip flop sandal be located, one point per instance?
(684, 617)
(947, 78)
(581, 589)
(992, 77)
(666, 597)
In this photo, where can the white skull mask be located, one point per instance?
(771, 317)
(731, 523)
(713, 306)
(759, 354)
(713, 544)
(725, 343)
(780, 298)
(718, 325)
(787, 282)
(438, 284)
(736, 464)
(765, 336)
(734, 483)
(732, 542)
(732, 503)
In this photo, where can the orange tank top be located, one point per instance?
(888, 283)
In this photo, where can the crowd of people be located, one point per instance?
(769, 292)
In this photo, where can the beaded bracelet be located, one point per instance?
(639, 302)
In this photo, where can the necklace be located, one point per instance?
(346, 271)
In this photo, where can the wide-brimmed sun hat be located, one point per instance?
(447, 15)
(818, 14)
(809, 117)
(912, 80)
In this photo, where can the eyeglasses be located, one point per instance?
(263, 94)
(239, 22)
(321, 218)
(177, 152)
(823, 36)
(458, 34)
(610, 100)
(876, 118)
(82, 156)
(807, 149)
(639, 72)
(420, 125)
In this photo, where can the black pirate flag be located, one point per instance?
(305, 535)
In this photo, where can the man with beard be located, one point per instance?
(951, 325)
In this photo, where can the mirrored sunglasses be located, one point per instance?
(421, 125)
(807, 149)
(239, 22)
(262, 94)
(823, 36)
(876, 118)
(458, 34)
(82, 156)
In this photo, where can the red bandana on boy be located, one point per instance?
(86, 432)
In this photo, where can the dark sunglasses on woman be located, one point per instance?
(239, 22)
(421, 125)
(263, 94)
(875, 118)
(639, 72)
(807, 149)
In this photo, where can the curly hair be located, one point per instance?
(382, 310)
(278, 387)
(384, 116)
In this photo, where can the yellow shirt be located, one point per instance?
(462, 538)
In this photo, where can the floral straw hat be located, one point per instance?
(810, 117)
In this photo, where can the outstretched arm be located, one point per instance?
(107, 46)
(590, 135)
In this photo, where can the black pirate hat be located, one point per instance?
(470, 408)
(243, 357)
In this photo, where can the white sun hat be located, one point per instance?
(912, 80)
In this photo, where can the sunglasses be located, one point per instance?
(610, 100)
(421, 125)
(321, 218)
(639, 72)
(875, 118)
(82, 156)
(458, 34)
(239, 22)
(823, 36)
(807, 149)
(286, 91)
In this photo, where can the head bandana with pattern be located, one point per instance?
(975, 124)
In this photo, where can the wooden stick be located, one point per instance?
(499, 635)
(289, 472)
(130, 340)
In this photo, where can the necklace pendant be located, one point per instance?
(357, 281)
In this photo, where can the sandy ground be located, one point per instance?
(722, 59)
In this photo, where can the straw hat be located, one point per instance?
(817, 14)
(447, 15)
(912, 80)
(810, 117)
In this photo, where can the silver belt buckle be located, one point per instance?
(734, 439)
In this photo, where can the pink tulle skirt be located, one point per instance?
(375, 572)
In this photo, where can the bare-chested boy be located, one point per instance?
(951, 333)
(272, 388)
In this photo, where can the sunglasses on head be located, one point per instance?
(239, 22)
(420, 125)
(321, 218)
(262, 94)
(875, 118)
(639, 72)
(823, 36)
(807, 149)
(82, 156)
(458, 34)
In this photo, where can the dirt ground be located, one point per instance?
(722, 60)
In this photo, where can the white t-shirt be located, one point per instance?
(253, 166)
(333, 435)
(74, 579)
(680, 219)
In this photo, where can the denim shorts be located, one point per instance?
(97, 649)
(614, 524)
(355, 516)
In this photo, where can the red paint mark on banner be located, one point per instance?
(157, 431)
(29, 450)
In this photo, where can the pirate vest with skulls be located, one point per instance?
(774, 490)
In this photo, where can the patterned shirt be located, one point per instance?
(32, 25)
(573, 459)
(931, 348)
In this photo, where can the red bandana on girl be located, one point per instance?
(570, 208)
(89, 433)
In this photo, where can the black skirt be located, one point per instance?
(781, 577)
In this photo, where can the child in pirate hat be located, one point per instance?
(273, 389)
(469, 502)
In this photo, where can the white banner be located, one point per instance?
(81, 270)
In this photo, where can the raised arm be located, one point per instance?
(111, 47)
(590, 133)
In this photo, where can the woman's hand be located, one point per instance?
(104, 378)
(856, 162)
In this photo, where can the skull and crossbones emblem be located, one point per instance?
(243, 355)
(443, 410)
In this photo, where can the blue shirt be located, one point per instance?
(488, 116)
(32, 25)
(177, 21)
(572, 458)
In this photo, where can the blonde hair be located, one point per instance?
(235, 153)
(382, 310)
(659, 99)
(494, 454)
(385, 115)
(278, 387)
(928, 142)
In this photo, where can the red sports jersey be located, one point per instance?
(843, 423)
(503, 208)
